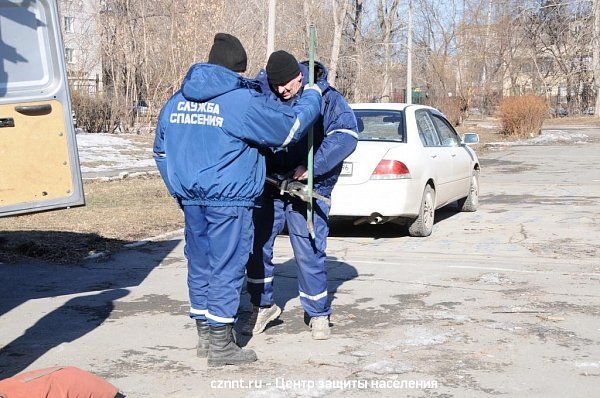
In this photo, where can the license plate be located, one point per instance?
(346, 169)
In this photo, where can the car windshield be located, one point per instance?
(380, 125)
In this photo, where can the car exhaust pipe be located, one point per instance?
(377, 220)
(374, 218)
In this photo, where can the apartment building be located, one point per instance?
(81, 38)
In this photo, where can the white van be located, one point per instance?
(39, 165)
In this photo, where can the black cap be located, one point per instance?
(227, 51)
(281, 68)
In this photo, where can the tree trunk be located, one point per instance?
(386, 95)
(386, 13)
(307, 8)
(358, 9)
(596, 55)
(339, 20)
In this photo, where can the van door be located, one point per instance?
(39, 165)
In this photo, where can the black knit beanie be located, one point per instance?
(227, 51)
(281, 68)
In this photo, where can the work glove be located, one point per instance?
(320, 86)
(313, 87)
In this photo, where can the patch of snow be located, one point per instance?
(106, 152)
(388, 368)
(547, 137)
(94, 254)
(588, 365)
(267, 393)
(423, 337)
(505, 326)
(124, 175)
(136, 244)
(143, 173)
(493, 278)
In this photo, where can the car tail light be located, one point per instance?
(390, 170)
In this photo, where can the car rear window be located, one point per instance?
(380, 125)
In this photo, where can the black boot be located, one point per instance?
(223, 350)
(202, 349)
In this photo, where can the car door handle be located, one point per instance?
(453, 155)
(434, 156)
(7, 122)
(34, 110)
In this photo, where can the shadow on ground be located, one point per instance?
(54, 246)
(286, 289)
(34, 279)
(346, 228)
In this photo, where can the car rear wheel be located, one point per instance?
(471, 202)
(423, 224)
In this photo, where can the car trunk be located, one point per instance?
(364, 160)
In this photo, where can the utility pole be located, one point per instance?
(485, 47)
(271, 32)
(408, 96)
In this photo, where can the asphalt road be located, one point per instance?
(504, 301)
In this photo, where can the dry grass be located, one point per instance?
(116, 212)
(488, 131)
(523, 116)
(487, 128)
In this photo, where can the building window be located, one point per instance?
(69, 55)
(69, 25)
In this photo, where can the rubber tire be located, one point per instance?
(471, 202)
(423, 225)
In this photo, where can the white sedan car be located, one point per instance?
(409, 162)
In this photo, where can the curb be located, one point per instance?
(143, 242)
(123, 175)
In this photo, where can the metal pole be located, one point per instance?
(309, 166)
(271, 32)
(409, 56)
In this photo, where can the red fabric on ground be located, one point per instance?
(58, 382)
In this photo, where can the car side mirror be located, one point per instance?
(470, 139)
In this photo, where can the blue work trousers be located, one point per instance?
(269, 220)
(218, 241)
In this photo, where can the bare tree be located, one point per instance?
(388, 20)
(340, 12)
(357, 48)
(559, 35)
(475, 50)
(596, 55)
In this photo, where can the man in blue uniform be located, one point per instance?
(335, 136)
(207, 149)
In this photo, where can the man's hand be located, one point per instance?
(300, 173)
